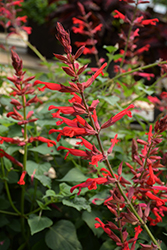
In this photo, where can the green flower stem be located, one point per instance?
(40, 56)
(38, 209)
(134, 70)
(9, 213)
(117, 182)
(8, 191)
(24, 169)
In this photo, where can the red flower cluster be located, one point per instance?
(83, 26)
(131, 52)
(9, 17)
(146, 191)
(21, 88)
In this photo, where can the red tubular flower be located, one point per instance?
(11, 158)
(114, 141)
(21, 181)
(11, 140)
(96, 158)
(76, 152)
(120, 15)
(91, 80)
(49, 142)
(107, 230)
(150, 21)
(90, 184)
(118, 116)
(151, 179)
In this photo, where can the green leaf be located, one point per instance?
(78, 203)
(3, 221)
(3, 129)
(112, 100)
(110, 48)
(15, 225)
(145, 90)
(43, 123)
(44, 149)
(8, 164)
(89, 218)
(74, 176)
(62, 236)
(40, 172)
(4, 203)
(37, 223)
(50, 193)
(108, 245)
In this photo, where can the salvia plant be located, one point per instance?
(118, 191)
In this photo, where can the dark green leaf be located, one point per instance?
(89, 218)
(78, 203)
(40, 171)
(62, 236)
(74, 176)
(108, 245)
(44, 149)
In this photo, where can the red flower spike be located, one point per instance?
(118, 116)
(64, 38)
(17, 63)
(21, 181)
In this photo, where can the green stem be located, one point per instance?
(24, 169)
(40, 56)
(134, 70)
(7, 190)
(9, 213)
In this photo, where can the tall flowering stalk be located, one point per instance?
(124, 195)
(130, 53)
(22, 98)
(83, 26)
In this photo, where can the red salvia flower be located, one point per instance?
(21, 181)
(90, 184)
(118, 116)
(11, 158)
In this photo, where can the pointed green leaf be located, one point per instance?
(78, 203)
(74, 176)
(89, 218)
(37, 223)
